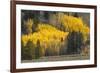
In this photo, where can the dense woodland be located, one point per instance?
(48, 33)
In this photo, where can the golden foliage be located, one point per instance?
(46, 34)
(74, 24)
(28, 25)
(50, 37)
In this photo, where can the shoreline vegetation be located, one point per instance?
(54, 34)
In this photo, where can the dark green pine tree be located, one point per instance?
(74, 42)
(27, 52)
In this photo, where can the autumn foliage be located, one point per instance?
(48, 40)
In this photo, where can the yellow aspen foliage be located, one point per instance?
(28, 25)
(85, 31)
(71, 23)
(76, 24)
(45, 34)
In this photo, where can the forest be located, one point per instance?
(50, 33)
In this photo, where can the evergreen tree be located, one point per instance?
(75, 40)
(28, 51)
(38, 50)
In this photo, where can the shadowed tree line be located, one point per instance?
(73, 45)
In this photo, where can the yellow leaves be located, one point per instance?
(45, 27)
(85, 31)
(71, 23)
(74, 24)
(24, 39)
(28, 25)
(46, 34)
